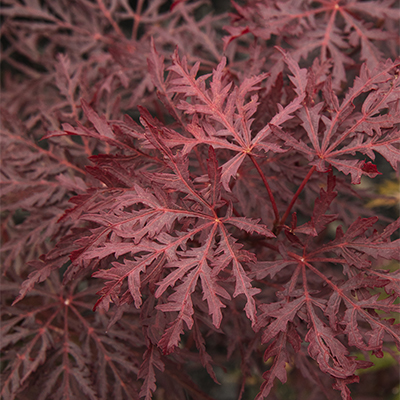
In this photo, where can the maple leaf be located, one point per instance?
(229, 115)
(329, 145)
(318, 29)
(48, 338)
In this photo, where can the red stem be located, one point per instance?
(297, 194)
(136, 21)
(270, 194)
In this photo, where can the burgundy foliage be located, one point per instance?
(180, 191)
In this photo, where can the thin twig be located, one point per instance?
(270, 194)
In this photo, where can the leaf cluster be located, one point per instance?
(181, 190)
